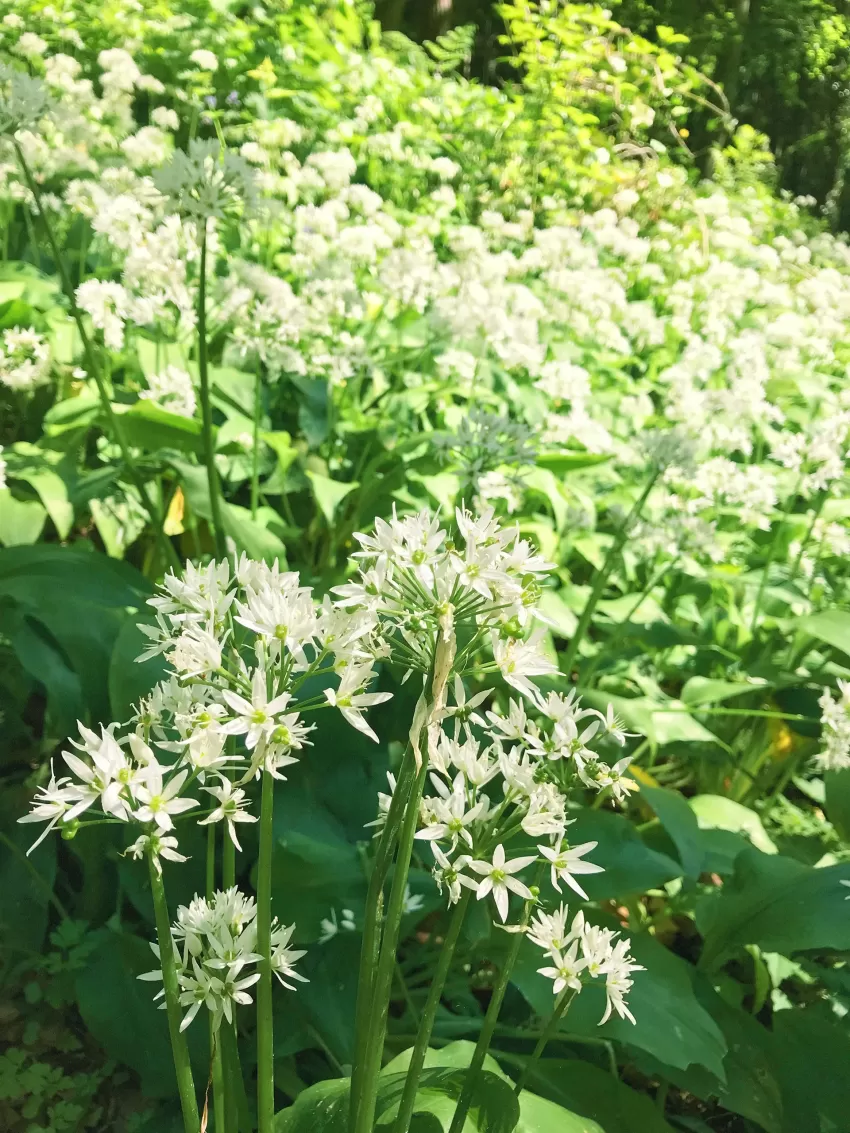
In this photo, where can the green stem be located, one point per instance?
(370, 948)
(219, 1103)
(210, 863)
(255, 455)
(231, 1072)
(386, 962)
(213, 483)
(156, 518)
(561, 1006)
(602, 576)
(179, 1050)
(423, 1036)
(228, 863)
(470, 1081)
(265, 1032)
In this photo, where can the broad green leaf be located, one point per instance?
(21, 521)
(716, 812)
(810, 1054)
(629, 865)
(323, 1108)
(329, 493)
(40, 655)
(25, 882)
(557, 613)
(78, 412)
(52, 491)
(748, 1085)
(596, 1095)
(830, 626)
(680, 822)
(136, 1034)
(701, 690)
(146, 425)
(777, 903)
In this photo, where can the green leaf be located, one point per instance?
(777, 903)
(21, 521)
(630, 865)
(716, 812)
(136, 1034)
(680, 822)
(323, 1108)
(329, 493)
(748, 1085)
(37, 467)
(556, 611)
(701, 690)
(596, 1095)
(810, 1057)
(560, 462)
(146, 425)
(830, 626)
(837, 785)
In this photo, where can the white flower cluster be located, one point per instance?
(24, 359)
(582, 953)
(835, 729)
(417, 585)
(215, 950)
(172, 389)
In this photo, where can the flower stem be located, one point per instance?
(602, 576)
(213, 483)
(231, 1075)
(179, 1050)
(265, 1033)
(116, 428)
(384, 974)
(563, 1003)
(423, 1036)
(219, 1104)
(370, 947)
(489, 1026)
(255, 455)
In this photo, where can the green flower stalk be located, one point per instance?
(265, 1022)
(488, 1029)
(179, 1049)
(426, 1025)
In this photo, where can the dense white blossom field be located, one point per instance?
(423, 586)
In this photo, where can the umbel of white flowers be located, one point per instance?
(215, 952)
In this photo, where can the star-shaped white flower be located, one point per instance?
(566, 863)
(498, 879)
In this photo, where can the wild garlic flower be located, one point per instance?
(24, 359)
(215, 951)
(242, 646)
(172, 390)
(583, 953)
(207, 182)
(420, 584)
(835, 729)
